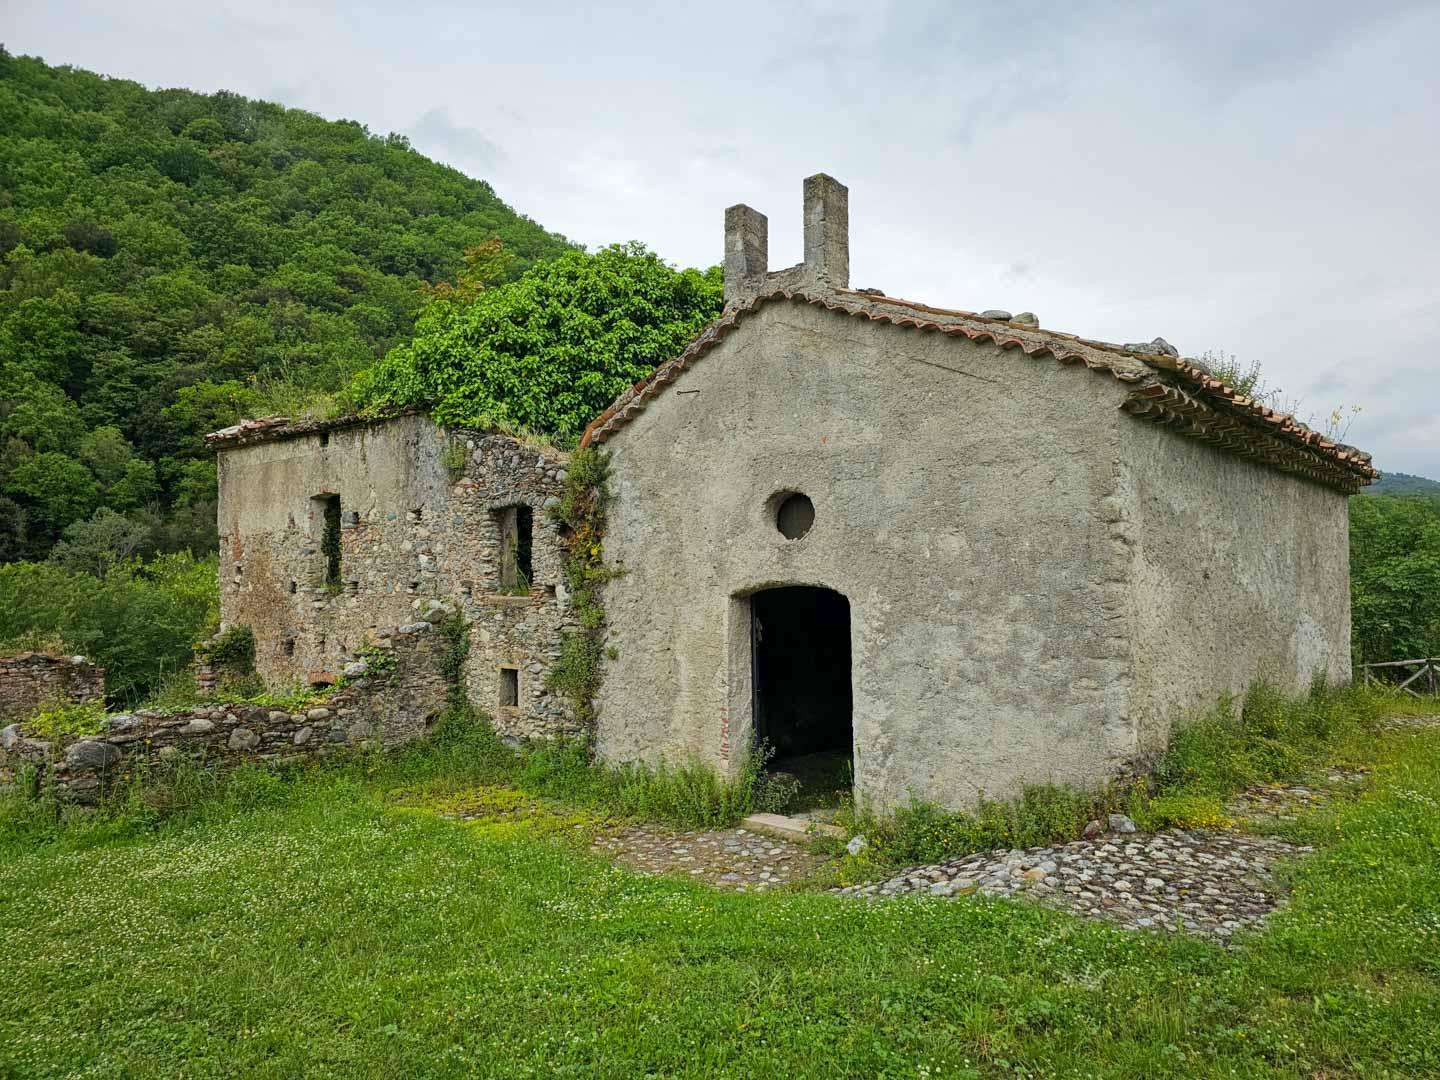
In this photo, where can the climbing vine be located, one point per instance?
(581, 515)
(455, 630)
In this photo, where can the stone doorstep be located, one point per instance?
(789, 828)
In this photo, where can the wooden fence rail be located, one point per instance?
(1425, 668)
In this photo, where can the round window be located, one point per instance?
(795, 516)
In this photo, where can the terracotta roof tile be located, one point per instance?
(1173, 391)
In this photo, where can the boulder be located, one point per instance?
(198, 726)
(242, 739)
(89, 754)
(1119, 823)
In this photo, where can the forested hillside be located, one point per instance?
(1399, 483)
(170, 261)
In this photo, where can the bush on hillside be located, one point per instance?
(549, 352)
(139, 622)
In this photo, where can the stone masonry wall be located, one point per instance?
(30, 681)
(384, 710)
(423, 514)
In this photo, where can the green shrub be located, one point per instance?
(549, 352)
(138, 622)
(66, 721)
(776, 792)
(923, 832)
(1271, 737)
(233, 649)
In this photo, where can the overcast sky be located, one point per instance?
(1259, 178)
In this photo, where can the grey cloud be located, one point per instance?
(1257, 178)
(438, 135)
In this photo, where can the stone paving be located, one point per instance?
(1211, 883)
(726, 858)
(1403, 722)
(1204, 882)
(1283, 802)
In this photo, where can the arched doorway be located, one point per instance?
(800, 650)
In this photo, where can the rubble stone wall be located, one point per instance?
(387, 709)
(31, 681)
(423, 513)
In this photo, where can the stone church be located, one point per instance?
(958, 550)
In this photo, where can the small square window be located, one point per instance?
(294, 587)
(509, 687)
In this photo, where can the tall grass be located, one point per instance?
(1265, 737)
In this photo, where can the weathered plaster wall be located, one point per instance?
(30, 681)
(1238, 572)
(965, 504)
(412, 536)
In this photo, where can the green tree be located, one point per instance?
(1394, 577)
(54, 490)
(550, 351)
(107, 452)
(99, 543)
(170, 259)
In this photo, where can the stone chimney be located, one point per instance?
(747, 252)
(827, 231)
(827, 245)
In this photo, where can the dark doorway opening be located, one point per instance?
(801, 647)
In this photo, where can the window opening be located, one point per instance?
(509, 687)
(287, 647)
(516, 525)
(795, 516)
(327, 509)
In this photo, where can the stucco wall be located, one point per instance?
(1238, 571)
(411, 534)
(965, 505)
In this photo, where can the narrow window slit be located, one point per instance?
(509, 687)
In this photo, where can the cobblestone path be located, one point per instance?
(727, 858)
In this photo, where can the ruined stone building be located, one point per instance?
(337, 533)
(963, 551)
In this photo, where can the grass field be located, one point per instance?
(314, 927)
